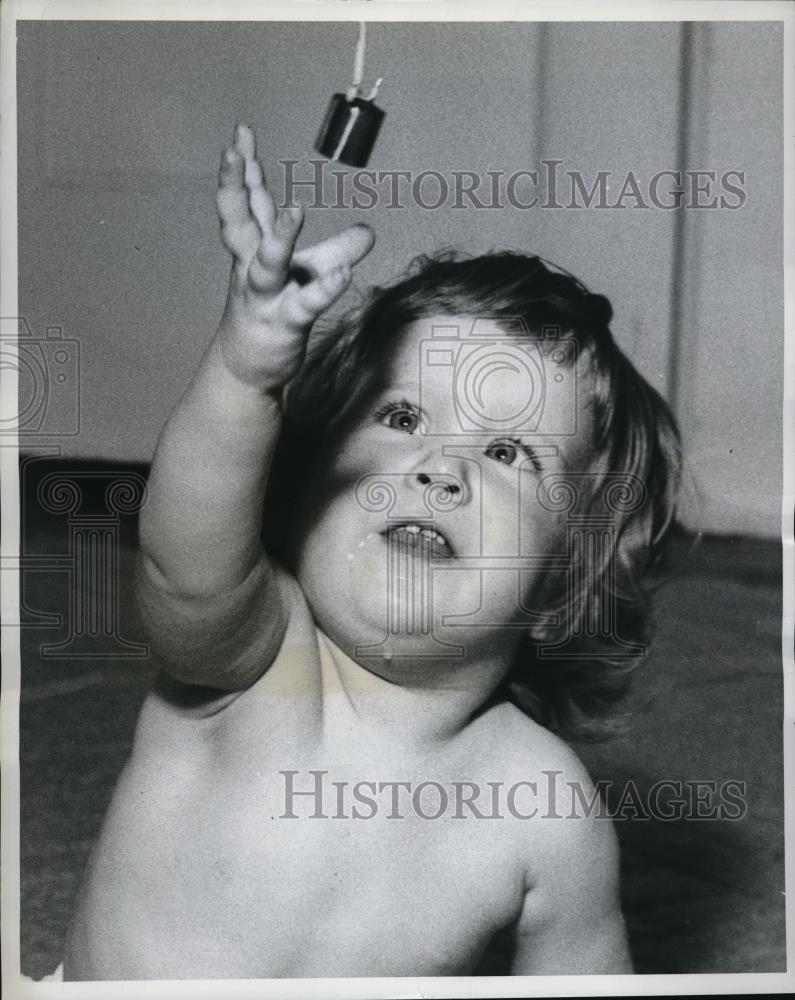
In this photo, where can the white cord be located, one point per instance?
(355, 112)
(358, 63)
(374, 92)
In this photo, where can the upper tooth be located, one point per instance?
(434, 535)
(429, 533)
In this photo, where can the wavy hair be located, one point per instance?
(573, 670)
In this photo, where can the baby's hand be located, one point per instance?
(274, 294)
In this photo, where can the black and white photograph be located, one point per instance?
(396, 442)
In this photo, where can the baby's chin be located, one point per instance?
(388, 615)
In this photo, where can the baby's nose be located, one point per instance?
(450, 483)
(442, 491)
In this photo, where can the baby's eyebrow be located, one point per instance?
(401, 386)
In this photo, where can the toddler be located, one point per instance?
(351, 762)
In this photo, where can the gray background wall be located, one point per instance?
(121, 127)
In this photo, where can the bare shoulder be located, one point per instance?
(524, 746)
(568, 852)
(574, 824)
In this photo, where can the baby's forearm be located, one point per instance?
(200, 526)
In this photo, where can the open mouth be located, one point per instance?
(419, 539)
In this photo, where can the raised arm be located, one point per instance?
(209, 598)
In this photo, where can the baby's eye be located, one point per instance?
(507, 451)
(399, 416)
(503, 451)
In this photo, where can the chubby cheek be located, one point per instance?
(340, 468)
(342, 536)
(514, 522)
(543, 532)
(363, 450)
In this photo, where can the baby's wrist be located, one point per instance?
(242, 373)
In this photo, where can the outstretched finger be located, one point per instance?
(343, 250)
(239, 232)
(260, 201)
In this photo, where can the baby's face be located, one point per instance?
(427, 537)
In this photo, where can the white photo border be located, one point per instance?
(14, 985)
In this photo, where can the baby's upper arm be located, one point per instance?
(289, 676)
(571, 920)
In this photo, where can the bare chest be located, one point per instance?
(312, 858)
(368, 874)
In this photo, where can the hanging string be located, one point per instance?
(355, 89)
(358, 63)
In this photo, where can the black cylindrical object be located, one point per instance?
(349, 130)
